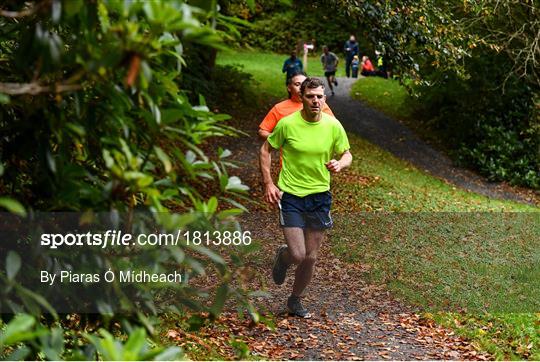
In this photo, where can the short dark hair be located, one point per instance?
(289, 79)
(311, 83)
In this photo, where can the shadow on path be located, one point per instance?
(394, 137)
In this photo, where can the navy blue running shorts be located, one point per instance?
(309, 212)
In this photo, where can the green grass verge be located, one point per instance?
(386, 95)
(484, 265)
(508, 336)
(443, 249)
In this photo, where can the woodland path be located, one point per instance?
(352, 319)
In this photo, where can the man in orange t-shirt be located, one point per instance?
(286, 107)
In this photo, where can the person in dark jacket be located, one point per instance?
(351, 49)
(292, 66)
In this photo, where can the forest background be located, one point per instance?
(107, 105)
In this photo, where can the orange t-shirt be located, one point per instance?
(283, 109)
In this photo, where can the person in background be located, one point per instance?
(367, 67)
(368, 70)
(292, 65)
(381, 64)
(355, 64)
(330, 62)
(351, 49)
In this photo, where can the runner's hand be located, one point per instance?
(272, 194)
(333, 166)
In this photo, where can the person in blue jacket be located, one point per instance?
(292, 66)
(355, 65)
(351, 49)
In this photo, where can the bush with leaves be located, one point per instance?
(283, 27)
(489, 120)
(476, 81)
(25, 338)
(94, 118)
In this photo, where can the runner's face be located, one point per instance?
(313, 100)
(294, 87)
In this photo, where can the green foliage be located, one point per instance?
(136, 348)
(24, 338)
(486, 109)
(226, 87)
(505, 154)
(280, 28)
(95, 117)
(274, 33)
(500, 140)
(473, 65)
(491, 117)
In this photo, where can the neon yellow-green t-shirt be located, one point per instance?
(307, 147)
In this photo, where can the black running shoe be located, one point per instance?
(335, 82)
(279, 270)
(296, 308)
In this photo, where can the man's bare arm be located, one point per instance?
(271, 193)
(263, 134)
(344, 162)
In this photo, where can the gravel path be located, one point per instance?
(394, 137)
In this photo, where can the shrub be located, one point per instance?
(489, 120)
(94, 118)
(283, 28)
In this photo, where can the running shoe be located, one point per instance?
(335, 82)
(296, 308)
(279, 270)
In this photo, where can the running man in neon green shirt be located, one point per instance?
(310, 139)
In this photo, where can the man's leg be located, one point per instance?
(304, 271)
(329, 80)
(332, 79)
(296, 246)
(348, 67)
(292, 223)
